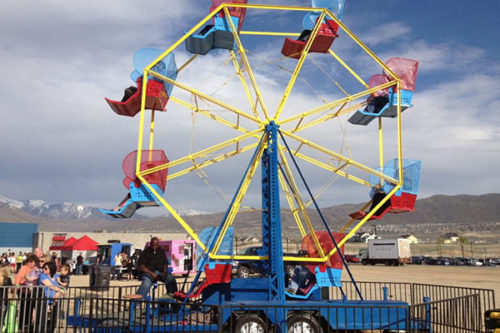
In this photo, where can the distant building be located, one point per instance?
(52, 241)
(450, 238)
(17, 236)
(411, 238)
(363, 237)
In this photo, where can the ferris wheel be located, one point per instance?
(275, 137)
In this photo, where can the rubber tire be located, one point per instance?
(243, 272)
(250, 323)
(364, 261)
(300, 320)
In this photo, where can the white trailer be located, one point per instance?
(386, 251)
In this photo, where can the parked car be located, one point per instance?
(245, 268)
(430, 261)
(416, 260)
(353, 258)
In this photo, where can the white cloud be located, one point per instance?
(385, 33)
(63, 143)
(450, 56)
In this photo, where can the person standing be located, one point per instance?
(117, 272)
(153, 266)
(12, 262)
(38, 252)
(79, 264)
(19, 261)
(27, 278)
(48, 279)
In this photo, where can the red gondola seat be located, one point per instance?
(403, 203)
(220, 273)
(322, 42)
(156, 99)
(397, 204)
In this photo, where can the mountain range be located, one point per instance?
(435, 214)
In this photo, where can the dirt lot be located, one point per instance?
(463, 276)
(476, 277)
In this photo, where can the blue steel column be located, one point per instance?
(271, 217)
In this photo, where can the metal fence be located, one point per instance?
(450, 309)
(460, 314)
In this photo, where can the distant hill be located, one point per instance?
(433, 214)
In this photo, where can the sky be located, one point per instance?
(60, 141)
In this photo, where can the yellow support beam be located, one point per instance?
(329, 116)
(365, 219)
(207, 98)
(172, 211)
(246, 64)
(351, 221)
(293, 209)
(298, 67)
(331, 105)
(380, 145)
(210, 115)
(244, 84)
(353, 73)
(299, 201)
(339, 157)
(201, 153)
(270, 33)
(239, 197)
(211, 161)
(336, 170)
(145, 80)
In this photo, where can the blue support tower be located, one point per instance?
(271, 217)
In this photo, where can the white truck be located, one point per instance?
(386, 251)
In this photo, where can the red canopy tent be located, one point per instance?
(85, 243)
(68, 244)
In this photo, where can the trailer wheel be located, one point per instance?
(250, 323)
(243, 272)
(303, 323)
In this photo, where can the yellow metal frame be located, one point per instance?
(259, 114)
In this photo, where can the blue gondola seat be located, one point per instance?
(384, 103)
(213, 36)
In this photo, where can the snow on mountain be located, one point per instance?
(65, 210)
(11, 203)
(71, 211)
(189, 212)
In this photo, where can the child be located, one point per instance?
(63, 279)
(5, 281)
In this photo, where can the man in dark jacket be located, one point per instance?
(153, 266)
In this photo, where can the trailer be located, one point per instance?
(181, 255)
(110, 250)
(386, 251)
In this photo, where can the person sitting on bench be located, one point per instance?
(153, 266)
